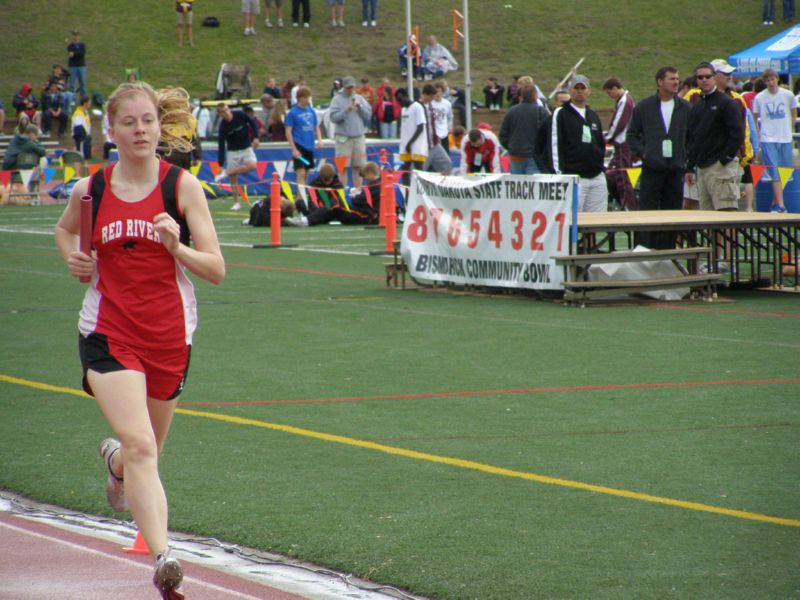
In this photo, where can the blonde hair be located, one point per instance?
(525, 80)
(174, 113)
(278, 113)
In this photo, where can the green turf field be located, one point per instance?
(455, 445)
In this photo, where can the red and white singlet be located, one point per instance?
(139, 295)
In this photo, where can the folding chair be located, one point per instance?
(233, 80)
(25, 180)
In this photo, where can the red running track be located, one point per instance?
(43, 562)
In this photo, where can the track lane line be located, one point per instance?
(451, 461)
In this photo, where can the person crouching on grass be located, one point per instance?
(139, 312)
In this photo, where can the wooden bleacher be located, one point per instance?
(579, 289)
(755, 242)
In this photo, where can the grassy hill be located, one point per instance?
(630, 39)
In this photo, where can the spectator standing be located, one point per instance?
(337, 12)
(768, 12)
(723, 79)
(350, 113)
(619, 183)
(369, 13)
(53, 110)
(82, 128)
(493, 94)
(296, 5)
(443, 115)
(753, 89)
(387, 111)
(267, 106)
(413, 146)
(513, 91)
(519, 130)
(275, 125)
(577, 146)
(250, 9)
(278, 12)
(657, 134)
(202, 115)
(237, 140)
(714, 134)
(776, 110)
(76, 51)
(479, 153)
(367, 91)
(303, 134)
(560, 98)
(438, 158)
(183, 8)
(788, 10)
(26, 104)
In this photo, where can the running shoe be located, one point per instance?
(297, 221)
(168, 576)
(778, 208)
(115, 489)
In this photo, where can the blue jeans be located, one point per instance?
(77, 74)
(388, 130)
(525, 167)
(372, 5)
(768, 11)
(788, 10)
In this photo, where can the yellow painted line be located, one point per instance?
(476, 466)
(445, 460)
(43, 386)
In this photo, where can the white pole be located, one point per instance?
(467, 74)
(409, 59)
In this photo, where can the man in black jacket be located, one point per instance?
(577, 146)
(714, 136)
(657, 134)
(519, 130)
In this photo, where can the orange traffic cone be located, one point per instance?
(139, 546)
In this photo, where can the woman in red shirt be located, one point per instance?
(139, 312)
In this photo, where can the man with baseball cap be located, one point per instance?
(350, 114)
(577, 146)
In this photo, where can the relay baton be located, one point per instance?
(86, 230)
(304, 160)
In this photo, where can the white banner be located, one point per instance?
(492, 230)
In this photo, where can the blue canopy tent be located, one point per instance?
(780, 52)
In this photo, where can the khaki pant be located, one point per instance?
(719, 186)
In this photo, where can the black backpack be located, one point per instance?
(169, 193)
(211, 22)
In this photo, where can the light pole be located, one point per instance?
(409, 59)
(467, 74)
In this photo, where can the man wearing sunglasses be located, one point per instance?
(714, 136)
